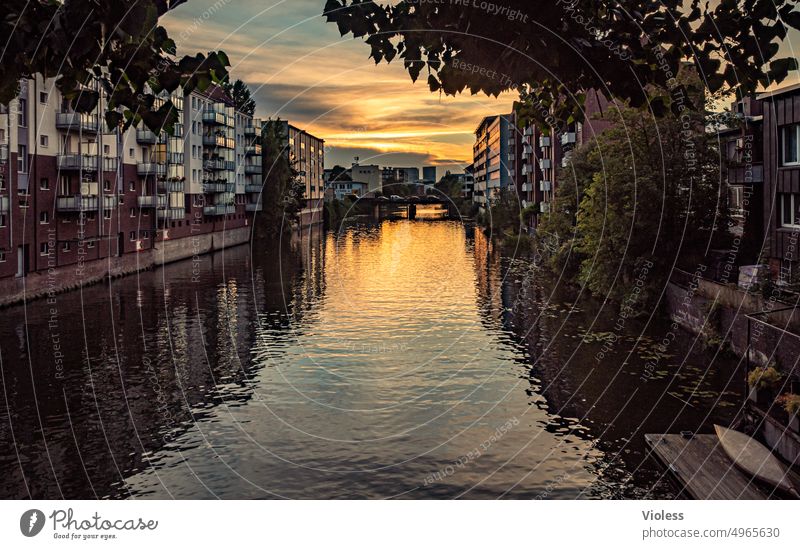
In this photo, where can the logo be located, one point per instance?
(31, 523)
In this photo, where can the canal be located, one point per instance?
(406, 359)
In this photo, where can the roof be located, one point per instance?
(216, 93)
(298, 130)
(779, 91)
(488, 119)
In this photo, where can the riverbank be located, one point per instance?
(56, 280)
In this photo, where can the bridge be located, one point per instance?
(410, 207)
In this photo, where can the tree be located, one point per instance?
(553, 51)
(240, 93)
(655, 198)
(113, 46)
(283, 191)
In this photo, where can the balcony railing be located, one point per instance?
(219, 209)
(214, 164)
(545, 186)
(527, 187)
(250, 188)
(544, 141)
(546, 163)
(110, 201)
(76, 162)
(146, 137)
(251, 131)
(214, 187)
(75, 121)
(171, 186)
(4, 204)
(252, 169)
(568, 138)
(3, 153)
(211, 116)
(544, 207)
(218, 141)
(76, 203)
(152, 201)
(151, 168)
(171, 214)
(252, 150)
(253, 207)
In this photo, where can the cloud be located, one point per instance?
(301, 70)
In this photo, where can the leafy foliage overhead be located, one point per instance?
(113, 45)
(552, 49)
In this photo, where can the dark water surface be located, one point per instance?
(407, 359)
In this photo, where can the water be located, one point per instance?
(405, 359)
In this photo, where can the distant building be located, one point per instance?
(429, 174)
(369, 174)
(405, 176)
(492, 164)
(342, 189)
(308, 154)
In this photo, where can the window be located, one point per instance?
(2, 220)
(107, 185)
(65, 247)
(90, 216)
(44, 218)
(132, 235)
(133, 212)
(790, 210)
(2, 256)
(131, 153)
(44, 141)
(22, 159)
(131, 185)
(44, 184)
(106, 150)
(42, 97)
(106, 214)
(790, 137)
(22, 117)
(44, 249)
(736, 200)
(90, 244)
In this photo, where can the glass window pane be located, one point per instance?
(796, 208)
(790, 144)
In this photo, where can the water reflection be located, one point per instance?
(401, 359)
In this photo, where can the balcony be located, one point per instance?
(527, 149)
(250, 131)
(253, 207)
(4, 204)
(545, 186)
(252, 169)
(211, 116)
(110, 201)
(546, 163)
(544, 141)
(215, 187)
(252, 150)
(3, 153)
(218, 141)
(568, 138)
(75, 121)
(528, 130)
(76, 203)
(219, 209)
(151, 168)
(526, 187)
(171, 186)
(82, 162)
(214, 165)
(146, 137)
(544, 207)
(253, 188)
(152, 201)
(171, 214)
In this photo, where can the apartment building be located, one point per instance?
(781, 174)
(307, 153)
(493, 166)
(73, 192)
(405, 176)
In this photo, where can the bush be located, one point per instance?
(790, 403)
(764, 377)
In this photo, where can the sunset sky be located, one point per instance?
(300, 69)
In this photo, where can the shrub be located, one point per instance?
(790, 403)
(764, 377)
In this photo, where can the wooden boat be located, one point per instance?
(754, 458)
